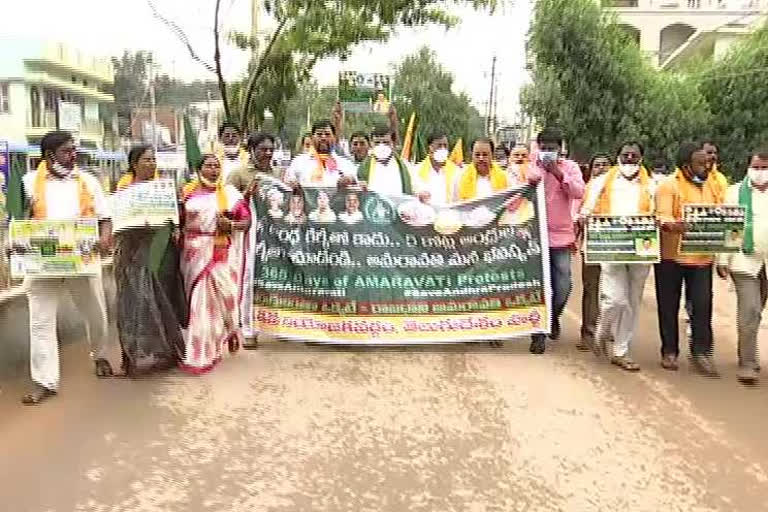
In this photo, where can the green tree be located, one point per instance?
(423, 86)
(735, 89)
(130, 86)
(307, 31)
(591, 80)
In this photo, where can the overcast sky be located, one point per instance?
(107, 27)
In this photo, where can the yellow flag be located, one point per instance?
(405, 154)
(457, 154)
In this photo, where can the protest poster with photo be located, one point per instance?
(48, 248)
(622, 239)
(147, 204)
(713, 229)
(364, 92)
(355, 267)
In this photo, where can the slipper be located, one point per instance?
(625, 363)
(39, 395)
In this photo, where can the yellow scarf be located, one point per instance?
(603, 206)
(449, 168)
(126, 180)
(687, 192)
(322, 160)
(40, 206)
(242, 155)
(468, 181)
(221, 202)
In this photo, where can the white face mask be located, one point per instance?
(382, 152)
(629, 170)
(548, 156)
(441, 155)
(758, 176)
(231, 151)
(60, 171)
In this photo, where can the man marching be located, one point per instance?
(748, 268)
(483, 177)
(322, 166)
(625, 190)
(59, 191)
(384, 171)
(437, 176)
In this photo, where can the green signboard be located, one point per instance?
(622, 239)
(712, 229)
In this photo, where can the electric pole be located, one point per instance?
(489, 113)
(152, 109)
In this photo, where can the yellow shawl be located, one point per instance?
(39, 204)
(221, 202)
(687, 192)
(468, 181)
(449, 168)
(603, 205)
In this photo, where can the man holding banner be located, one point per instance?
(626, 190)
(437, 177)
(563, 184)
(384, 171)
(57, 190)
(748, 268)
(322, 166)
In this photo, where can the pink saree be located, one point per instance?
(213, 279)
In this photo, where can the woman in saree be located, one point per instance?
(151, 307)
(212, 259)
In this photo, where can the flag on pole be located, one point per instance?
(190, 144)
(457, 154)
(405, 154)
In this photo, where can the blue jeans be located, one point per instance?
(560, 277)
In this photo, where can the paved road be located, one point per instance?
(463, 428)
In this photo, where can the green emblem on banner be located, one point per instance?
(378, 210)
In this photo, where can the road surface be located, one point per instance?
(438, 429)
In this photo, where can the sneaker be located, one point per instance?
(747, 375)
(705, 366)
(538, 345)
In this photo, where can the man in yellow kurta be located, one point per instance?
(483, 177)
(693, 182)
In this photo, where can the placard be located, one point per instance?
(364, 92)
(147, 204)
(712, 229)
(622, 239)
(48, 248)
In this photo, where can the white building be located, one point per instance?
(48, 86)
(672, 31)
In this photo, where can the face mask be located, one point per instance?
(548, 156)
(758, 176)
(231, 151)
(629, 170)
(382, 152)
(60, 171)
(441, 155)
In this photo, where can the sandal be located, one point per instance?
(497, 344)
(103, 368)
(625, 363)
(251, 344)
(584, 346)
(39, 395)
(669, 362)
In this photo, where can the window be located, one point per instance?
(5, 102)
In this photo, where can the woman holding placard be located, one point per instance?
(151, 307)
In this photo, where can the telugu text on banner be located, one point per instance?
(149, 203)
(354, 267)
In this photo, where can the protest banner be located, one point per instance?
(364, 92)
(5, 166)
(52, 248)
(356, 267)
(712, 229)
(147, 204)
(622, 239)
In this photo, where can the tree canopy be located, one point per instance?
(591, 80)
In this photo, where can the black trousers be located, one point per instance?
(670, 277)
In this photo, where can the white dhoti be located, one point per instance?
(44, 294)
(621, 294)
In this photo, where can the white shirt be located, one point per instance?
(304, 166)
(625, 195)
(386, 178)
(440, 191)
(351, 218)
(62, 196)
(750, 264)
(484, 188)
